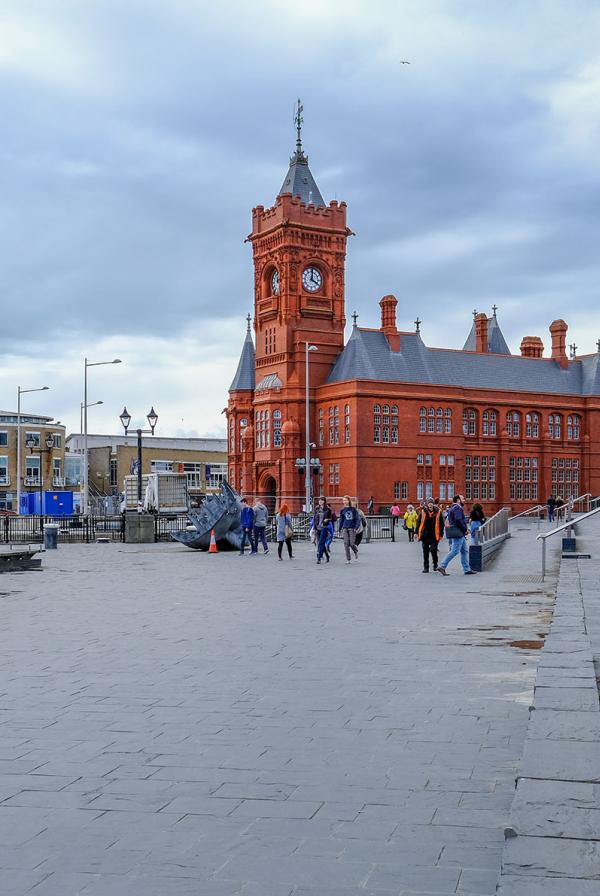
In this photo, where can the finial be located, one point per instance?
(248, 320)
(418, 325)
(298, 121)
(355, 318)
(475, 312)
(494, 309)
(573, 349)
(598, 345)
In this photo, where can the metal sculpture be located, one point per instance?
(219, 512)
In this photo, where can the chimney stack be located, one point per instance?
(558, 331)
(388, 322)
(481, 332)
(532, 347)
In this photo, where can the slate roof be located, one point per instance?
(300, 182)
(244, 375)
(496, 341)
(367, 356)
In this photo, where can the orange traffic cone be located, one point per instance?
(213, 543)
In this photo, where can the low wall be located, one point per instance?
(482, 554)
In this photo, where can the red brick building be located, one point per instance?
(390, 416)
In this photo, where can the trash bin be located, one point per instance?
(51, 536)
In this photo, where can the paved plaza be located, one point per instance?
(178, 723)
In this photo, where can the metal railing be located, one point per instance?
(537, 510)
(495, 527)
(378, 528)
(568, 525)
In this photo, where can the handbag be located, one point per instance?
(288, 531)
(404, 526)
(454, 532)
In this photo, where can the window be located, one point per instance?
(431, 420)
(513, 424)
(193, 473)
(74, 469)
(480, 477)
(33, 436)
(419, 458)
(532, 426)
(4, 471)
(469, 422)
(428, 460)
(423, 420)
(419, 491)
(489, 425)
(113, 471)
(347, 424)
(214, 474)
(523, 478)
(404, 490)
(448, 420)
(32, 470)
(450, 460)
(321, 427)
(3, 439)
(161, 466)
(442, 491)
(396, 490)
(263, 433)
(57, 439)
(377, 424)
(270, 341)
(277, 428)
(442, 460)
(231, 437)
(57, 471)
(554, 426)
(574, 427)
(429, 489)
(334, 425)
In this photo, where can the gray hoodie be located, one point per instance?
(261, 514)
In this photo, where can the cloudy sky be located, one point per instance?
(136, 135)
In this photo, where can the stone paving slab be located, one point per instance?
(176, 723)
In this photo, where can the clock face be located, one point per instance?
(312, 279)
(275, 282)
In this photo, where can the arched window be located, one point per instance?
(439, 420)
(394, 423)
(513, 424)
(448, 420)
(489, 423)
(347, 424)
(532, 426)
(385, 420)
(554, 426)
(276, 428)
(469, 422)
(232, 437)
(377, 424)
(321, 427)
(431, 420)
(423, 420)
(574, 426)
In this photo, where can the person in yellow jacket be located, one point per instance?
(410, 522)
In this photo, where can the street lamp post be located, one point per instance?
(152, 418)
(307, 471)
(91, 405)
(86, 483)
(33, 446)
(19, 393)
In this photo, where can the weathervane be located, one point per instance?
(494, 309)
(418, 325)
(248, 319)
(474, 313)
(355, 318)
(298, 121)
(573, 349)
(598, 345)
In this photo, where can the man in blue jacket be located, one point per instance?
(456, 532)
(247, 522)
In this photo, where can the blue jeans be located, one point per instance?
(259, 535)
(457, 546)
(246, 536)
(323, 536)
(475, 526)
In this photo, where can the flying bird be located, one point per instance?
(404, 62)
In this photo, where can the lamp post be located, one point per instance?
(19, 393)
(152, 418)
(33, 446)
(91, 405)
(307, 482)
(86, 484)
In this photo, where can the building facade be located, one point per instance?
(390, 416)
(38, 468)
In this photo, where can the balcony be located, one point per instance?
(4, 480)
(58, 481)
(32, 480)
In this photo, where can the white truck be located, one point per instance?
(161, 492)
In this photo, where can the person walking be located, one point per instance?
(371, 506)
(476, 520)
(321, 521)
(430, 532)
(284, 531)
(396, 514)
(247, 523)
(362, 525)
(551, 505)
(349, 522)
(261, 518)
(410, 521)
(456, 532)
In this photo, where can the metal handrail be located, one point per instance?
(496, 526)
(568, 525)
(538, 508)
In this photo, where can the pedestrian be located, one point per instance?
(558, 503)
(247, 523)
(362, 525)
(551, 505)
(456, 532)
(371, 506)
(349, 523)
(261, 518)
(430, 532)
(396, 514)
(284, 530)
(476, 519)
(321, 521)
(329, 539)
(410, 521)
